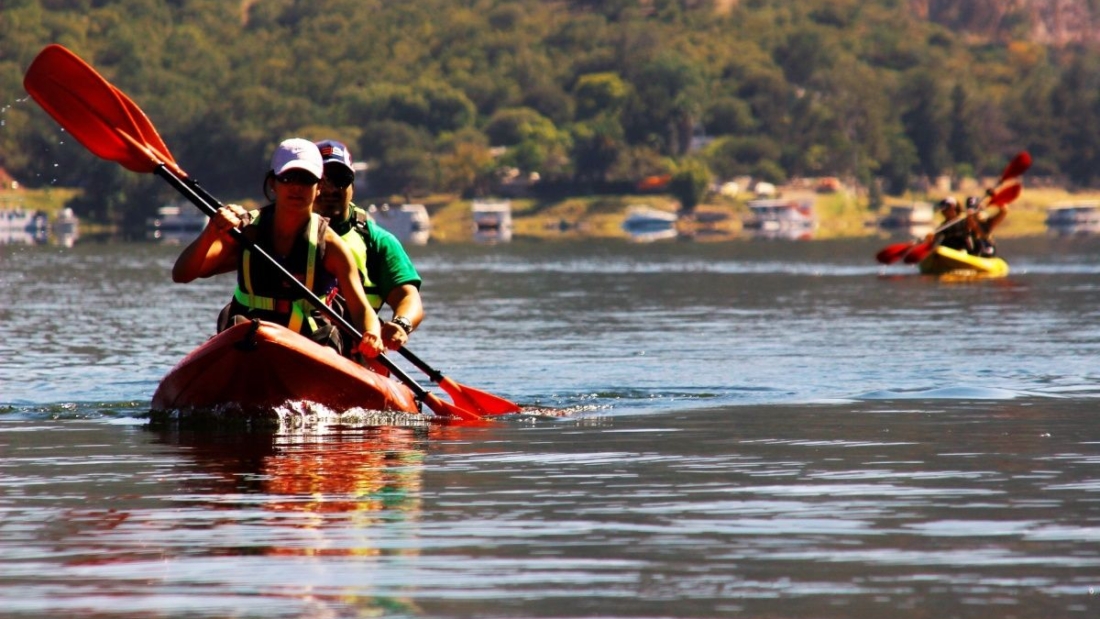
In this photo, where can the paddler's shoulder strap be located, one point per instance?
(255, 222)
(363, 224)
(322, 227)
(360, 220)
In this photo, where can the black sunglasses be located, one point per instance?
(340, 177)
(296, 177)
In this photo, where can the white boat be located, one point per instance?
(176, 223)
(908, 215)
(66, 227)
(781, 218)
(22, 220)
(492, 221)
(20, 226)
(909, 220)
(1067, 219)
(410, 223)
(646, 224)
(641, 218)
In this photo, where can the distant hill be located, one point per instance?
(587, 96)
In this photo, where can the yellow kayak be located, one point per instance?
(955, 264)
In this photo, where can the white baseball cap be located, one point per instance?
(297, 153)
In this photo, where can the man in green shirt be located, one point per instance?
(388, 274)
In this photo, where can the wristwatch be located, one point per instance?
(404, 323)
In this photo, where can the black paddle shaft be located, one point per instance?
(435, 375)
(210, 205)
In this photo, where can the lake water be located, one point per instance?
(764, 429)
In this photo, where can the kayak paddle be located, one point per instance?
(483, 402)
(921, 251)
(1019, 164)
(113, 127)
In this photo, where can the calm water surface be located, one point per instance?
(758, 429)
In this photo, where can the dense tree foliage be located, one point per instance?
(443, 94)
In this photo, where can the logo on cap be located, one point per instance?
(332, 150)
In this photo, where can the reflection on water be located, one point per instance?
(361, 470)
(21, 237)
(1064, 230)
(828, 510)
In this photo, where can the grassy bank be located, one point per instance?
(49, 200)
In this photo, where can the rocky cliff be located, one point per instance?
(1051, 22)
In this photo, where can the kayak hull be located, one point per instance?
(947, 262)
(257, 365)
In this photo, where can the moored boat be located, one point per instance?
(646, 224)
(909, 220)
(175, 223)
(641, 218)
(259, 366)
(952, 263)
(22, 226)
(792, 219)
(1074, 218)
(410, 223)
(492, 221)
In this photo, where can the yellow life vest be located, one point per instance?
(256, 280)
(355, 238)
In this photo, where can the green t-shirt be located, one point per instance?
(388, 265)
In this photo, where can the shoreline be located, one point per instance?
(840, 215)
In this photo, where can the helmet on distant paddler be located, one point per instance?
(972, 202)
(948, 202)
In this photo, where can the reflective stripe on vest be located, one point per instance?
(299, 309)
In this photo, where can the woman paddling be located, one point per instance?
(300, 240)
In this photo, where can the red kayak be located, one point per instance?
(261, 366)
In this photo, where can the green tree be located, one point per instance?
(600, 93)
(466, 164)
(670, 96)
(963, 139)
(597, 145)
(926, 121)
(510, 126)
(729, 116)
(1077, 106)
(408, 172)
(689, 183)
(736, 156)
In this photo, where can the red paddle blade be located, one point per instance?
(1006, 195)
(148, 133)
(86, 105)
(445, 409)
(920, 252)
(483, 402)
(1019, 164)
(891, 253)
